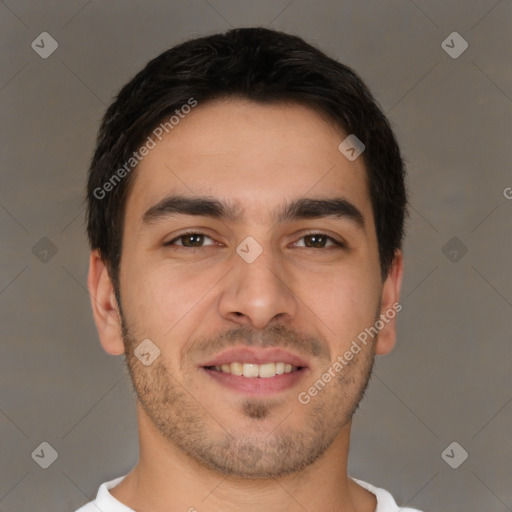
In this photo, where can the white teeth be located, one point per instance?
(252, 370)
(267, 370)
(236, 368)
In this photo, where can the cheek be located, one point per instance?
(161, 294)
(345, 303)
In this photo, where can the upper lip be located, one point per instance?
(255, 356)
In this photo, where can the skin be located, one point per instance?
(202, 445)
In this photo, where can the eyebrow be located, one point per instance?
(302, 208)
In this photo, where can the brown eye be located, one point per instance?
(319, 241)
(190, 240)
(193, 240)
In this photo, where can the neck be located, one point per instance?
(166, 475)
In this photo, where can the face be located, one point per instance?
(254, 280)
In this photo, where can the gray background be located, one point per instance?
(449, 378)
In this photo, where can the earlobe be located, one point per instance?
(104, 306)
(390, 306)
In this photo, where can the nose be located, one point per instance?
(257, 293)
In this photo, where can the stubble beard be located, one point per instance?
(268, 449)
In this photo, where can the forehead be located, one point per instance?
(250, 155)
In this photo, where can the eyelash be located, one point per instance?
(170, 243)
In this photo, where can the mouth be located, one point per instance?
(256, 371)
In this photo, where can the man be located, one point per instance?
(246, 203)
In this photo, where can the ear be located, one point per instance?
(390, 306)
(104, 306)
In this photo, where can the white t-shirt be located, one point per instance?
(105, 502)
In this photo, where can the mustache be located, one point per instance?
(278, 336)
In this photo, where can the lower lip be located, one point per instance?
(257, 386)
